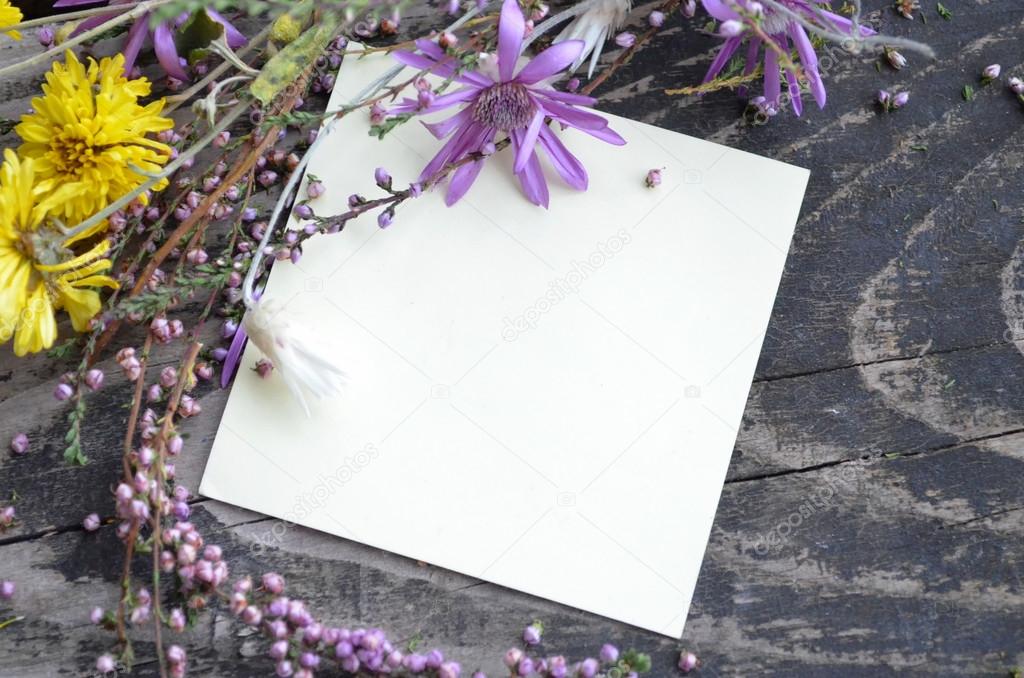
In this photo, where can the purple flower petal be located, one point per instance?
(575, 117)
(451, 151)
(554, 59)
(233, 356)
(462, 180)
(76, 3)
(607, 135)
(91, 23)
(444, 69)
(167, 52)
(566, 164)
(794, 93)
(771, 77)
(233, 35)
(136, 37)
(566, 97)
(511, 27)
(729, 48)
(532, 177)
(809, 59)
(719, 10)
(443, 128)
(452, 98)
(528, 141)
(753, 51)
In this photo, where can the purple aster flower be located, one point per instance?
(501, 100)
(783, 31)
(162, 35)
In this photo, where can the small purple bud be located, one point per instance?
(434, 659)
(182, 212)
(488, 149)
(176, 620)
(229, 328)
(449, 670)
(531, 634)
(91, 522)
(94, 379)
(688, 661)
(689, 8)
(154, 393)
(304, 211)
(105, 664)
(63, 392)
(1016, 85)
(252, 616)
(625, 40)
(219, 354)
(415, 663)
(45, 36)
(19, 444)
(900, 100)
(222, 139)
(415, 190)
(176, 654)
(384, 219)
(273, 582)
(233, 193)
(883, 98)
(383, 179)
(512, 657)
(249, 214)
(525, 667)
(653, 178)
(424, 98)
(656, 19)
(609, 653)
(731, 28)
(96, 616)
(267, 178)
(211, 184)
(315, 189)
(991, 72)
(588, 668)
(573, 84)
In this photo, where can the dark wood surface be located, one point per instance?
(873, 517)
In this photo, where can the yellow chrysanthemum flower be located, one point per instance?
(87, 135)
(38, 272)
(9, 16)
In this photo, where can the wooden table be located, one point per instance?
(873, 518)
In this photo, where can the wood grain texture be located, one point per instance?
(873, 519)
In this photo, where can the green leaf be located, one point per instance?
(944, 12)
(196, 35)
(73, 455)
(284, 69)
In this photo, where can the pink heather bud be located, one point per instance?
(378, 114)
(273, 582)
(7, 514)
(609, 653)
(384, 219)
(19, 444)
(176, 328)
(991, 72)
(1016, 85)
(656, 19)
(531, 634)
(168, 377)
(63, 392)
(123, 493)
(689, 8)
(424, 98)
(315, 189)
(688, 661)
(139, 509)
(232, 193)
(186, 554)
(174, 445)
(896, 60)
(175, 654)
(625, 40)
(731, 28)
(383, 179)
(91, 522)
(146, 455)
(167, 561)
(204, 370)
(117, 221)
(154, 393)
(267, 178)
(213, 553)
(189, 406)
(447, 40)
(883, 98)
(140, 615)
(105, 664)
(284, 669)
(512, 657)
(94, 379)
(210, 184)
(46, 36)
(229, 328)
(264, 367)
(124, 354)
(197, 256)
(238, 603)
(278, 629)
(182, 212)
(181, 510)
(303, 211)
(96, 615)
(176, 620)
(900, 100)
(252, 616)
(653, 178)
(140, 482)
(193, 200)
(222, 139)
(243, 585)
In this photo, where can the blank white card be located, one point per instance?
(544, 399)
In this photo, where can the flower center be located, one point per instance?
(504, 106)
(72, 154)
(775, 22)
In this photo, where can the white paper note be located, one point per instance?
(544, 399)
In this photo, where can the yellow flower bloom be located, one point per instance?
(10, 16)
(38, 272)
(87, 135)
